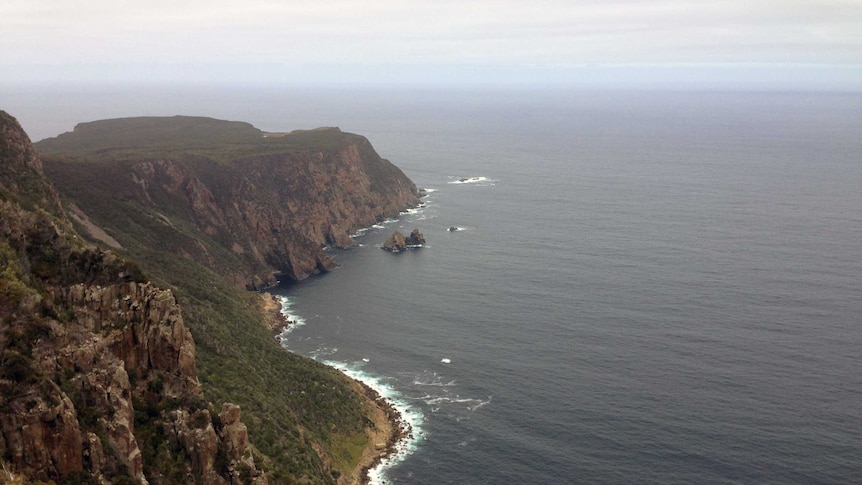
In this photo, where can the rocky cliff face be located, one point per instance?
(98, 380)
(270, 202)
(21, 175)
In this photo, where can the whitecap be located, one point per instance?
(472, 180)
(480, 405)
(323, 351)
(432, 379)
(438, 383)
(446, 361)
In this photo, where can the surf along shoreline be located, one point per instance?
(388, 427)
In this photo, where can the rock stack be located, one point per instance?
(396, 242)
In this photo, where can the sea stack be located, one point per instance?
(396, 242)
(415, 239)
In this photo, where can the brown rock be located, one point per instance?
(195, 434)
(234, 434)
(415, 239)
(83, 338)
(281, 207)
(94, 455)
(395, 242)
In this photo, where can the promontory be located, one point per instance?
(132, 348)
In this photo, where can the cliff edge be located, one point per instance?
(98, 380)
(245, 203)
(206, 209)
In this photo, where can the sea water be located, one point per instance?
(644, 287)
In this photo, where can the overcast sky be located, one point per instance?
(443, 41)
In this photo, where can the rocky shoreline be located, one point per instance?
(389, 427)
(273, 318)
(398, 430)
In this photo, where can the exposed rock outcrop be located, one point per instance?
(96, 361)
(21, 176)
(270, 205)
(397, 242)
(415, 239)
(206, 207)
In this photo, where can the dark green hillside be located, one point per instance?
(218, 140)
(129, 134)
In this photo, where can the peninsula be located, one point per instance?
(133, 350)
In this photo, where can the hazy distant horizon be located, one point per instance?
(49, 109)
(717, 76)
(734, 44)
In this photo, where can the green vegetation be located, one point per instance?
(154, 137)
(288, 402)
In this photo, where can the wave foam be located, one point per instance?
(413, 212)
(293, 319)
(409, 414)
(472, 180)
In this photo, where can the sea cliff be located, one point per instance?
(128, 339)
(245, 203)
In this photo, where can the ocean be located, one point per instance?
(643, 287)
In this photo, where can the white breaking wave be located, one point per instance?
(436, 394)
(322, 352)
(414, 210)
(472, 180)
(293, 319)
(433, 381)
(360, 232)
(409, 415)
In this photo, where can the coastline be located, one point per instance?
(271, 310)
(388, 427)
(388, 430)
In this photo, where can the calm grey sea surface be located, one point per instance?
(645, 287)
